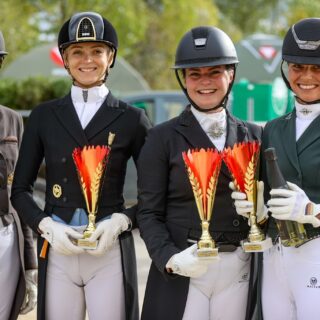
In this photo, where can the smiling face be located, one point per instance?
(87, 62)
(304, 80)
(207, 86)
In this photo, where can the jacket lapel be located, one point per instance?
(288, 140)
(68, 117)
(108, 112)
(236, 131)
(310, 135)
(189, 127)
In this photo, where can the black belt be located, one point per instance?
(222, 246)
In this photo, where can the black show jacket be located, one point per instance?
(52, 133)
(167, 214)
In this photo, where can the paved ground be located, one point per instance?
(143, 262)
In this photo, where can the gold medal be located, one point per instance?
(57, 190)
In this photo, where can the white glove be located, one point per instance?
(30, 298)
(293, 205)
(188, 264)
(60, 236)
(107, 232)
(244, 207)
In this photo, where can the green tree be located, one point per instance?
(245, 15)
(168, 21)
(300, 9)
(23, 22)
(148, 30)
(17, 29)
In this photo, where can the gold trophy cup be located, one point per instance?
(242, 161)
(91, 162)
(203, 169)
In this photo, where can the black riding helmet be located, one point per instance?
(301, 45)
(205, 47)
(88, 27)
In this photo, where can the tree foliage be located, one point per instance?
(300, 9)
(149, 30)
(26, 94)
(169, 20)
(245, 15)
(15, 25)
(128, 16)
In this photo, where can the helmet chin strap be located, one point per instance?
(221, 104)
(106, 74)
(289, 87)
(306, 102)
(98, 83)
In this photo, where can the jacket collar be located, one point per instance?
(190, 128)
(293, 150)
(236, 131)
(288, 124)
(108, 113)
(67, 116)
(309, 136)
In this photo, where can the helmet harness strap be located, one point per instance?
(223, 103)
(106, 74)
(289, 87)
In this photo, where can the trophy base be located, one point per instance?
(211, 253)
(257, 246)
(86, 244)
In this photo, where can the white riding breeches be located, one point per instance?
(291, 282)
(222, 292)
(9, 268)
(79, 282)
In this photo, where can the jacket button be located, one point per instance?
(64, 160)
(65, 180)
(64, 199)
(236, 223)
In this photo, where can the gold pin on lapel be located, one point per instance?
(111, 137)
(57, 190)
(10, 179)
